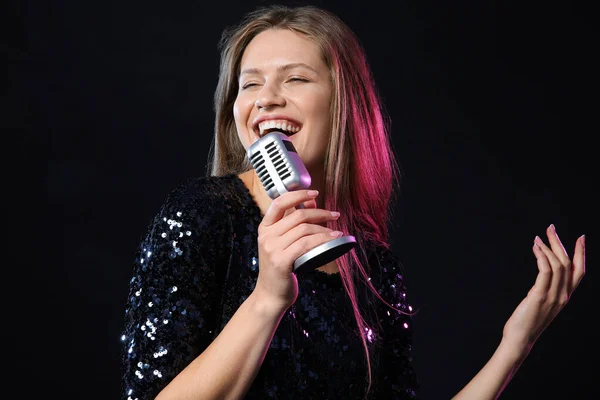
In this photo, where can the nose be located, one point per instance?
(269, 96)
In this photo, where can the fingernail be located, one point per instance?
(583, 241)
(537, 240)
(552, 228)
(335, 214)
(336, 233)
(313, 193)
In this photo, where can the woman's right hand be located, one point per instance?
(285, 234)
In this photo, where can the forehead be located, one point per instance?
(275, 47)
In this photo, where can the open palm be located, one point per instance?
(557, 279)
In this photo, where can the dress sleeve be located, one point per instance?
(174, 294)
(398, 378)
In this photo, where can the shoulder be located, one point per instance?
(205, 192)
(388, 271)
(203, 188)
(201, 201)
(381, 256)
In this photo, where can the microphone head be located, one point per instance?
(278, 164)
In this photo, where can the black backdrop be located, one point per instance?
(493, 120)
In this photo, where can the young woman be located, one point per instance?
(215, 310)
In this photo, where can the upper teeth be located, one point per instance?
(282, 124)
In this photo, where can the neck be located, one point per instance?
(318, 183)
(263, 200)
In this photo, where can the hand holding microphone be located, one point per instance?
(281, 170)
(282, 239)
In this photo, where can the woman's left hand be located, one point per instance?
(556, 281)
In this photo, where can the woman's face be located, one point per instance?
(285, 82)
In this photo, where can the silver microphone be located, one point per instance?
(281, 170)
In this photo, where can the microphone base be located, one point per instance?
(324, 253)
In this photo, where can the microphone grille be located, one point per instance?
(277, 159)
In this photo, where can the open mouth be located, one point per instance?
(280, 125)
(287, 133)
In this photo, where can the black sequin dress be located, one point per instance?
(198, 261)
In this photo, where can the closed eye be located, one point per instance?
(294, 79)
(248, 85)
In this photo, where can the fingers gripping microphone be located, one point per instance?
(281, 170)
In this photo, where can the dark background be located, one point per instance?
(494, 110)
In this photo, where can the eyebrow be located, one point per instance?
(280, 68)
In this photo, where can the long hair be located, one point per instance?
(360, 169)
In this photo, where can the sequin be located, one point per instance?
(186, 287)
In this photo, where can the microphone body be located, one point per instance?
(281, 170)
(278, 164)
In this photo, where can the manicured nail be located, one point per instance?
(335, 214)
(336, 233)
(583, 241)
(552, 228)
(537, 240)
(313, 193)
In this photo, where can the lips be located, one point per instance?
(277, 130)
(269, 123)
(278, 125)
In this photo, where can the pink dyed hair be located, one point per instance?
(357, 183)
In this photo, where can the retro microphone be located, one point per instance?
(281, 170)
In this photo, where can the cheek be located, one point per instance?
(322, 117)
(240, 115)
(320, 106)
